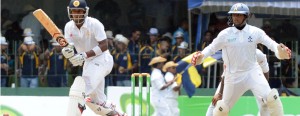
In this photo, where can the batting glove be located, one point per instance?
(78, 59)
(68, 51)
(197, 58)
(283, 52)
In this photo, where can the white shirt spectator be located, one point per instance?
(29, 21)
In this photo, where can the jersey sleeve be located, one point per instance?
(267, 41)
(262, 61)
(99, 31)
(217, 44)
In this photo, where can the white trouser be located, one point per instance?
(94, 72)
(173, 106)
(160, 106)
(235, 85)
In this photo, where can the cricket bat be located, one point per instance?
(48, 24)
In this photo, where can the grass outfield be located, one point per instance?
(246, 106)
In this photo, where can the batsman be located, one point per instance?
(89, 39)
(238, 43)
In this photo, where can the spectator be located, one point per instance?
(29, 63)
(4, 62)
(57, 67)
(208, 38)
(182, 51)
(169, 35)
(44, 57)
(125, 61)
(163, 47)
(110, 81)
(267, 27)
(5, 21)
(146, 53)
(183, 28)
(154, 36)
(159, 85)
(110, 38)
(29, 21)
(134, 45)
(179, 38)
(221, 23)
(14, 35)
(173, 90)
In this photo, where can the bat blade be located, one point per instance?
(48, 24)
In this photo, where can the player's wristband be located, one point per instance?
(97, 50)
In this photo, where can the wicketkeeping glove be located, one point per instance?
(197, 58)
(283, 52)
(68, 51)
(78, 59)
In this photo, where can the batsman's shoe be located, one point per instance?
(105, 109)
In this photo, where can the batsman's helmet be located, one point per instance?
(78, 4)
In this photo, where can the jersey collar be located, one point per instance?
(246, 28)
(85, 22)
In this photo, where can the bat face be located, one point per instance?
(50, 27)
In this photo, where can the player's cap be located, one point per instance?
(109, 34)
(3, 41)
(178, 34)
(77, 4)
(153, 31)
(169, 64)
(28, 40)
(168, 34)
(157, 60)
(183, 45)
(27, 32)
(121, 38)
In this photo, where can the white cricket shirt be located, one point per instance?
(239, 47)
(87, 37)
(157, 82)
(171, 93)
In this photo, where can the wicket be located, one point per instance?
(140, 76)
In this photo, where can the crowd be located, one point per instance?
(131, 54)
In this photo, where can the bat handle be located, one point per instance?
(62, 41)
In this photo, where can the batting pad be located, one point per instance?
(100, 110)
(274, 103)
(76, 95)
